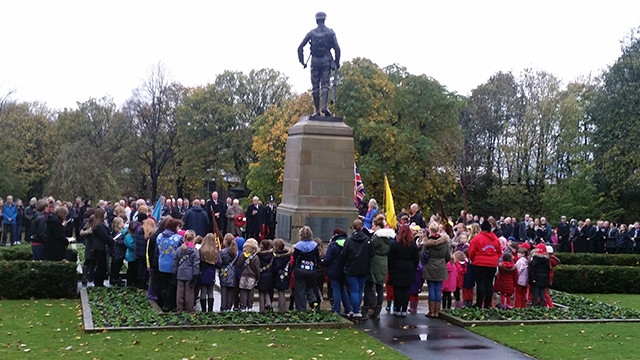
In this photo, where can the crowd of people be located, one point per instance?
(178, 252)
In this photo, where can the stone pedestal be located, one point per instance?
(317, 188)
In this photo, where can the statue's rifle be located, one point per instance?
(336, 80)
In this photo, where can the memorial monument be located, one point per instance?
(318, 179)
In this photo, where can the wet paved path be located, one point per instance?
(419, 337)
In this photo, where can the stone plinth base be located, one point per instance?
(317, 188)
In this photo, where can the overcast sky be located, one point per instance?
(60, 52)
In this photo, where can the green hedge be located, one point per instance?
(23, 252)
(598, 259)
(15, 253)
(588, 279)
(38, 279)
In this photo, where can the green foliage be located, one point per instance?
(15, 253)
(405, 126)
(576, 197)
(38, 279)
(128, 307)
(598, 259)
(577, 308)
(269, 145)
(216, 125)
(27, 150)
(615, 116)
(597, 279)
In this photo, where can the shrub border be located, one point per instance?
(90, 328)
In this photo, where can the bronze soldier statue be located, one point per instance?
(322, 40)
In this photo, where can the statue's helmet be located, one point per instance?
(321, 15)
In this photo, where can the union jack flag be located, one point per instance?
(358, 187)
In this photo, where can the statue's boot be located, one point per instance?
(316, 103)
(325, 97)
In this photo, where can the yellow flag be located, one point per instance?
(388, 206)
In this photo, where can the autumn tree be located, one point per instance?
(269, 145)
(217, 123)
(151, 114)
(94, 158)
(27, 150)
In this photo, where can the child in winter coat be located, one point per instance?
(539, 274)
(415, 289)
(227, 273)
(280, 269)
(209, 260)
(265, 284)
(553, 262)
(186, 267)
(522, 267)
(461, 269)
(248, 265)
(506, 280)
(468, 283)
(449, 285)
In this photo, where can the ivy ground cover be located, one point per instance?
(577, 308)
(129, 307)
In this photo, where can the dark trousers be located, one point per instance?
(400, 298)
(17, 232)
(37, 251)
(538, 295)
(305, 288)
(7, 234)
(446, 299)
(101, 267)
(116, 265)
(373, 294)
(132, 272)
(484, 285)
(227, 297)
(166, 291)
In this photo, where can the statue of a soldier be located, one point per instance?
(322, 40)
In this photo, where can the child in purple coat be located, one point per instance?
(415, 289)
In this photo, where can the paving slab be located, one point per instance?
(419, 337)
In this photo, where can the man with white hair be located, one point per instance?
(416, 216)
(255, 219)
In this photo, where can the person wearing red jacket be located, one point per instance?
(506, 280)
(484, 253)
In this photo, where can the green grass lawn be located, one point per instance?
(630, 301)
(53, 328)
(574, 341)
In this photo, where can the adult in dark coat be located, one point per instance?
(270, 218)
(416, 216)
(197, 219)
(216, 209)
(55, 246)
(402, 260)
(335, 271)
(101, 238)
(356, 254)
(564, 234)
(255, 219)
